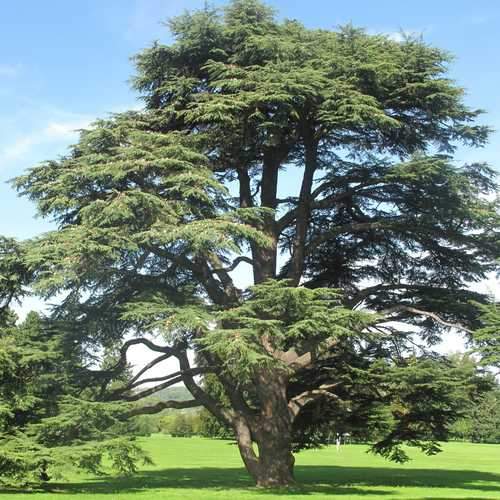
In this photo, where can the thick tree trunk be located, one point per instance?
(271, 462)
(276, 461)
(271, 465)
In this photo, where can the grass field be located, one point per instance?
(192, 468)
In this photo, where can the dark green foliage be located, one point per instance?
(416, 401)
(45, 425)
(480, 417)
(425, 398)
(367, 259)
(487, 337)
(276, 317)
(210, 427)
(14, 276)
(481, 423)
(181, 426)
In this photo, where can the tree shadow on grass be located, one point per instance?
(331, 480)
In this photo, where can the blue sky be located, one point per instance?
(62, 64)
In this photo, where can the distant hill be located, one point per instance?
(176, 393)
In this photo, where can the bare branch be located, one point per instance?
(106, 375)
(163, 405)
(199, 394)
(149, 366)
(296, 404)
(152, 390)
(236, 262)
(172, 378)
(149, 344)
(420, 312)
(193, 371)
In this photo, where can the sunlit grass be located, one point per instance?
(192, 468)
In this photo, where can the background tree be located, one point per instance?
(481, 423)
(14, 277)
(47, 424)
(487, 336)
(321, 161)
(46, 381)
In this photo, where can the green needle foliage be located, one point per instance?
(47, 423)
(487, 337)
(361, 266)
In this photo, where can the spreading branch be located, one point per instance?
(236, 262)
(419, 312)
(296, 403)
(199, 394)
(148, 367)
(163, 405)
(167, 381)
(152, 390)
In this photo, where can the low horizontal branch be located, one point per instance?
(163, 405)
(192, 371)
(296, 403)
(168, 380)
(419, 312)
(148, 392)
(236, 262)
(150, 365)
(122, 361)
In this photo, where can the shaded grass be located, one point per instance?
(209, 469)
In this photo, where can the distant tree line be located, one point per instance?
(479, 421)
(481, 424)
(182, 424)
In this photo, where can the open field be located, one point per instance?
(192, 468)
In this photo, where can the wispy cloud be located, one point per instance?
(401, 34)
(52, 132)
(35, 130)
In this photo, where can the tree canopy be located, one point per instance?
(320, 161)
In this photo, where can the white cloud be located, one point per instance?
(9, 70)
(30, 304)
(401, 35)
(64, 130)
(53, 132)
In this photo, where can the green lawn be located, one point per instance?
(192, 468)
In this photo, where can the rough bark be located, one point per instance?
(303, 211)
(264, 258)
(271, 466)
(271, 463)
(276, 460)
